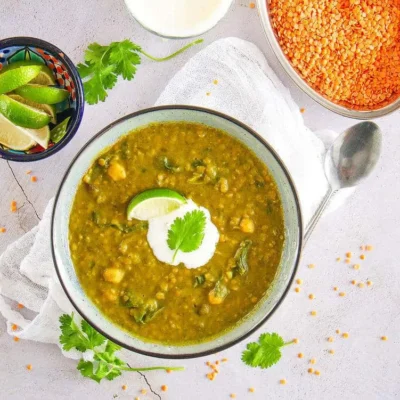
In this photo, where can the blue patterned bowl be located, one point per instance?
(67, 77)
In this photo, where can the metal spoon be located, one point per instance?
(350, 159)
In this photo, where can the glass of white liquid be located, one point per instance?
(177, 19)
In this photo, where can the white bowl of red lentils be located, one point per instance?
(345, 54)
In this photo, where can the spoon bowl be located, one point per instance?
(353, 155)
(351, 158)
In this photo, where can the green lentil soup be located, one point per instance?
(116, 267)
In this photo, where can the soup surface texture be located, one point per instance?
(116, 267)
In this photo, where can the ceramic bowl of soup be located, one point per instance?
(110, 264)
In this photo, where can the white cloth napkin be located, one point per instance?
(248, 90)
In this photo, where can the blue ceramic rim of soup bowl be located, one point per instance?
(299, 239)
(76, 119)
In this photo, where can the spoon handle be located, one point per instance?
(314, 220)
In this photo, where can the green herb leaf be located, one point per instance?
(71, 336)
(124, 228)
(106, 364)
(186, 234)
(169, 166)
(266, 352)
(94, 337)
(199, 280)
(241, 266)
(104, 64)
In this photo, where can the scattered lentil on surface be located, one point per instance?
(233, 396)
(361, 285)
(16, 339)
(252, 390)
(331, 351)
(310, 370)
(330, 339)
(297, 289)
(356, 266)
(317, 372)
(338, 331)
(345, 335)
(313, 361)
(342, 294)
(252, 5)
(124, 387)
(353, 282)
(20, 306)
(164, 388)
(295, 340)
(313, 313)
(299, 281)
(2, 230)
(311, 296)
(29, 367)
(311, 265)
(143, 391)
(369, 247)
(384, 338)
(34, 178)
(14, 327)
(282, 381)
(13, 206)
(300, 355)
(369, 283)
(362, 256)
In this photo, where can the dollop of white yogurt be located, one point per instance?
(157, 236)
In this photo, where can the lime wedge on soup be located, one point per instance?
(154, 203)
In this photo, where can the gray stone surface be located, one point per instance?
(363, 366)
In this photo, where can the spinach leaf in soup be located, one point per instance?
(241, 256)
(124, 228)
(168, 165)
(199, 280)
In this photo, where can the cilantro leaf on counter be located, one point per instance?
(186, 234)
(105, 363)
(104, 64)
(266, 352)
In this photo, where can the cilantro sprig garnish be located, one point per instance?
(104, 64)
(266, 352)
(105, 364)
(186, 234)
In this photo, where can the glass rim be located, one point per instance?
(175, 37)
(217, 348)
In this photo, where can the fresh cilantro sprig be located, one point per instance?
(186, 234)
(104, 64)
(266, 352)
(105, 364)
